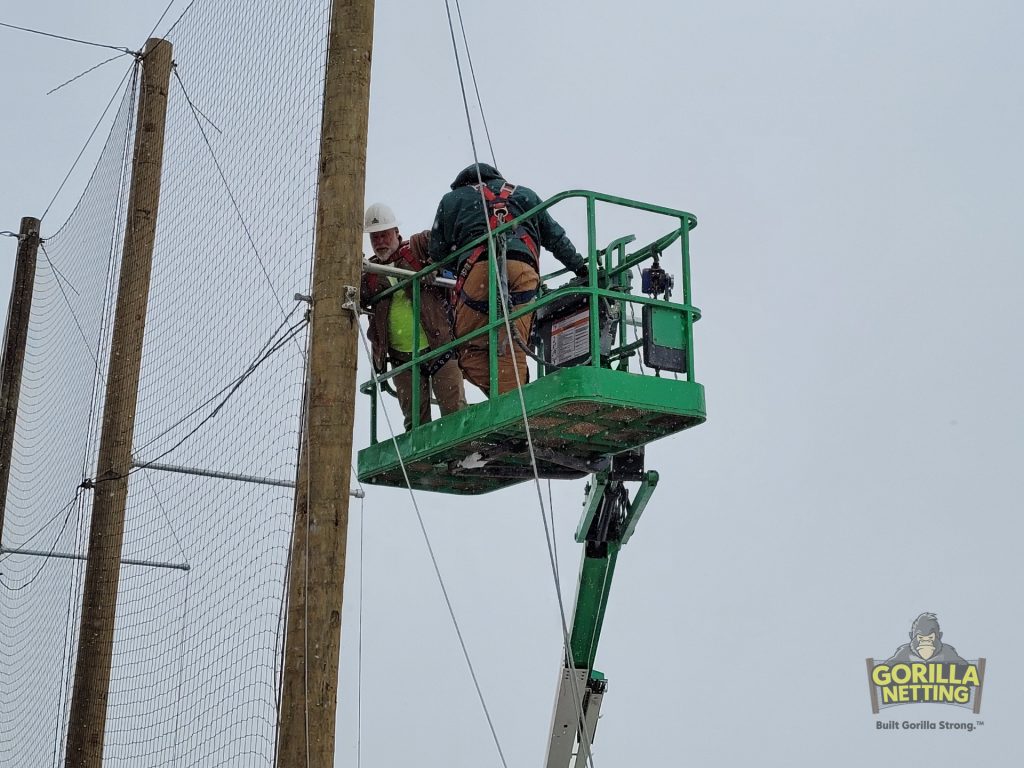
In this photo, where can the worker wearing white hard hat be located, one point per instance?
(392, 323)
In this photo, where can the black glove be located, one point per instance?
(582, 273)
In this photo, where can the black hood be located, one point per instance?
(468, 175)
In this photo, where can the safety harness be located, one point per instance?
(498, 214)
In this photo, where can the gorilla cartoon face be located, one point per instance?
(924, 645)
(925, 637)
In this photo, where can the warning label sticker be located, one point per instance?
(570, 338)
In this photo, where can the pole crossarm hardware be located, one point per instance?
(608, 520)
(357, 493)
(73, 556)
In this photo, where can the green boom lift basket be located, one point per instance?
(579, 415)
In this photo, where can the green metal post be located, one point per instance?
(416, 373)
(624, 280)
(687, 299)
(595, 331)
(492, 318)
(373, 413)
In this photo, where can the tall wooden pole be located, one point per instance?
(15, 336)
(317, 566)
(95, 650)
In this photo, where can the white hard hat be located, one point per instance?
(379, 217)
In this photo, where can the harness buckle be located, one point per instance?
(500, 212)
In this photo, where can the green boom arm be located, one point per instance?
(608, 521)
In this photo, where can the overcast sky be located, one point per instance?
(858, 173)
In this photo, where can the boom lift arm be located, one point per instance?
(609, 519)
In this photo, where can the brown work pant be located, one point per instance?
(446, 382)
(473, 357)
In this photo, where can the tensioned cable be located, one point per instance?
(45, 560)
(168, 8)
(86, 72)
(476, 89)
(42, 528)
(433, 557)
(280, 640)
(233, 388)
(71, 309)
(68, 39)
(72, 615)
(261, 354)
(227, 187)
(548, 534)
(359, 638)
(181, 16)
(120, 220)
(70, 620)
(88, 141)
(170, 525)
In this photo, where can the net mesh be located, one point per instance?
(198, 632)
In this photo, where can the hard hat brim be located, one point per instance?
(383, 227)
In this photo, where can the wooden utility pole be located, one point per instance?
(317, 566)
(15, 335)
(96, 639)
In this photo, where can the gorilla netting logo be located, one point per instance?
(926, 670)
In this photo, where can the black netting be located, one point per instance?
(200, 604)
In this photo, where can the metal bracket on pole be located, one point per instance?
(351, 302)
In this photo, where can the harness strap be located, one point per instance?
(483, 306)
(405, 252)
(497, 215)
(438, 363)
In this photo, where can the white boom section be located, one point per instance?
(565, 749)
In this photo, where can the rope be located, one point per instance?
(88, 141)
(168, 8)
(67, 301)
(548, 535)
(359, 630)
(433, 560)
(177, 21)
(86, 72)
(476, 89)
(44, 560)
(231, 388)
(269, 348)
(245, 226)
(69, 39)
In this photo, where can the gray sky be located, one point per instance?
(856, 170)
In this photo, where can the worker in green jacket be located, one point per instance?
(482, 198)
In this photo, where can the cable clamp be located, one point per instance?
(351, 302)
